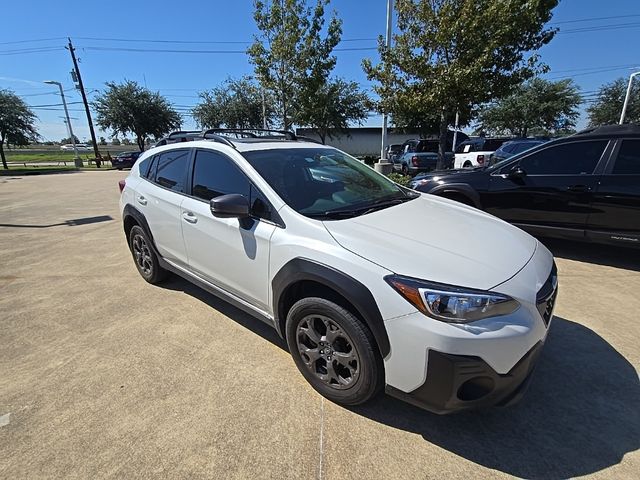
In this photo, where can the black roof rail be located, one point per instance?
(185, 133)
(217, 138)
(615, 129)
(191, 135)
(252, 132)
(308, 139)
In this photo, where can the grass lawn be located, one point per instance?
(43, 157)
(36, 170)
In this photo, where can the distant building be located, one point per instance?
(361, 140)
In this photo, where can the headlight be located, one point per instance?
(419, 183)
(452, 304)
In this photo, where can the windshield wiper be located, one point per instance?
(355, 212)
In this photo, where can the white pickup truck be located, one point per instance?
(476, 151)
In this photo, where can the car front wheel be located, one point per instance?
(334, 351)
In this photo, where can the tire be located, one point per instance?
(357, 372)
(404, 170)
(467, 164)
(144, 257)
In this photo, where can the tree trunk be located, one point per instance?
(140, 142)
(444, 134)
(4, 160)
(323, 136)
(524, 132)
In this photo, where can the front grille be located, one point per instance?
(546, 296)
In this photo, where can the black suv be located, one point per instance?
(586, 186)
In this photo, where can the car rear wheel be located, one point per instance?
(144, 257)
(405, 170)
(334, 351)
(467, 164)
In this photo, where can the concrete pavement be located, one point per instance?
(105, 376)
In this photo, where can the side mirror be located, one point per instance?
(517, 173)
(233, 205)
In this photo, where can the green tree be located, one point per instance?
(115, 141)
(452, 55)
(237, 103)
(67, 140)
(17, 122)
(607, 107)
(103, 141)
(126, 141)
(130, 108)
(337, 104)
(292, 58)
(538, 106)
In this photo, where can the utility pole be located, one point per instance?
(86, 103)
(383, 165)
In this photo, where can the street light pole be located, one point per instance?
(77, 160)
(383, 166)
(627, 96)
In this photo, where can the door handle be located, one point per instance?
(578, 188)
(141, 200)
(189, 217)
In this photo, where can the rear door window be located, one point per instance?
(171, 170)
(575, 158)
(628, 160)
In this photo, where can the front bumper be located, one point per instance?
(445, 367)
(458, 382)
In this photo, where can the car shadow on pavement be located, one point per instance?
(609, 255)
(69, 223)
(240, 317)
(579, 416)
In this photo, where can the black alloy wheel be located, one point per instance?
(334, 350)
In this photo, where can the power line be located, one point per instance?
(32, 41)
(54, 105)
(42, 94)
(25, 51)
(599, 28)
(604, 70)
(167, 50)
(198, 42)
(594, 19)
(631, 65)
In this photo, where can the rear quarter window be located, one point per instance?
(628, 159)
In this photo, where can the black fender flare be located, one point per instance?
(460, 189)
(300, 269)
(130, 211)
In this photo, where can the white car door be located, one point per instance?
(231, 253)
(159, 198)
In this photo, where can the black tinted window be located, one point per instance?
(492, 145)
(171, 171)
(628, 161)
(567, 159)
(215, 175)
(146, 166)
(521, 147)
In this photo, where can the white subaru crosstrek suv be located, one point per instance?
(371, 284)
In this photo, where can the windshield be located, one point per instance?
(518, 152)
(324, 182)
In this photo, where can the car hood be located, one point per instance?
(437, 239)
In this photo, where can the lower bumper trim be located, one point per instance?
(459, 382)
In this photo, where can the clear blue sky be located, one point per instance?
(591, 57)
